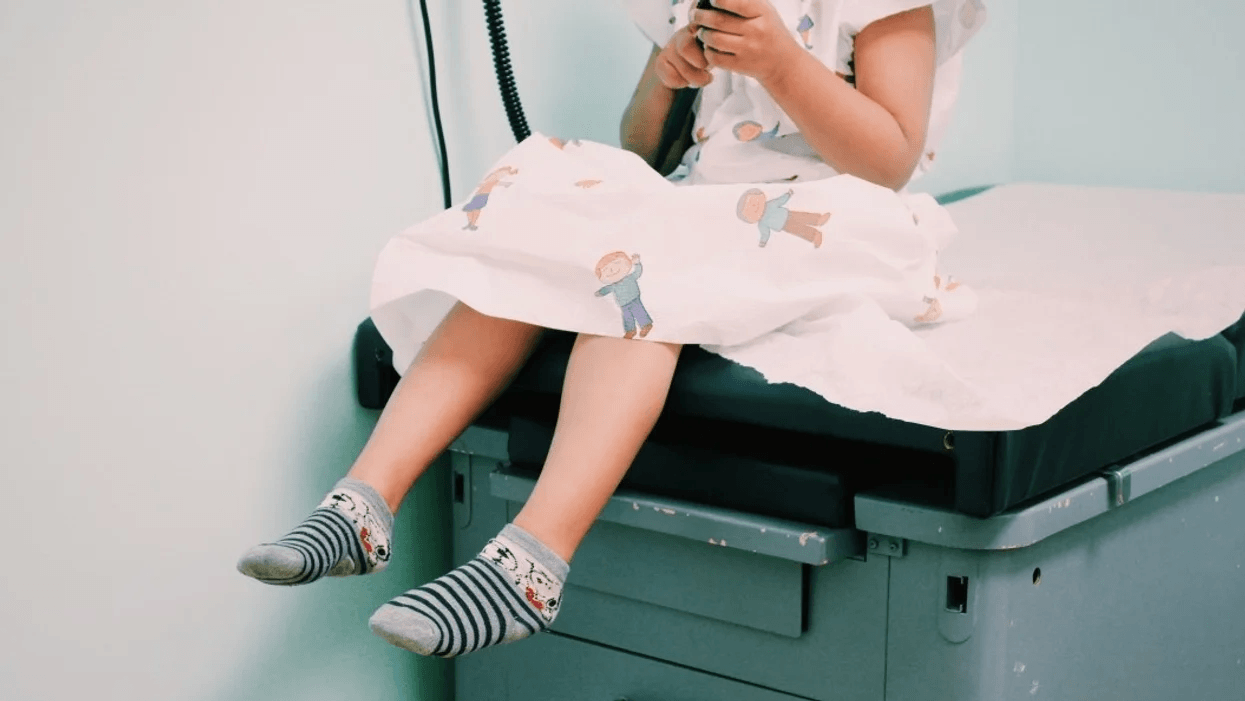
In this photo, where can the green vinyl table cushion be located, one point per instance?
(1236, 336)
(1174, 386)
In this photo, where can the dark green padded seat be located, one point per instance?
(1171, 388)
(1236, 336)
(725, 425)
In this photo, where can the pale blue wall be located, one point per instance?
(1135, 93)
(576, 64)
(192, 195)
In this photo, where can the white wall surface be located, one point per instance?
(1131, 93)
(191, 198)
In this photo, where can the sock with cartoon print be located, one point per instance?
(511, 590)
(348, 534)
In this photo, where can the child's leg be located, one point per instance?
(804, 225)
(613, 394)
(461, 368)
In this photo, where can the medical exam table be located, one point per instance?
(769, 545)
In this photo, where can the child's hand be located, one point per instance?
(744, 36)
(682, 62)
(635, 258)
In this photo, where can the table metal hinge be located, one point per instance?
(886, 545)
(1119, 485)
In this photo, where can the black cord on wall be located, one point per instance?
(505, 83)
(504, 71)
(443, 155)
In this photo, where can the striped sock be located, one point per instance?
(511, 590)
(348, 534)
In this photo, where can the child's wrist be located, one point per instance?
(785, 64)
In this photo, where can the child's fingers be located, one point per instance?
(722, 42)
(725, 61)
(683, 74)
(743, 8)
(690, 52)
(696, 75)
(720, 21)
(669, 75)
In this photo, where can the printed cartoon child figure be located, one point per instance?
(480, 199)
(804, 28)
(563, 144)
(934, 311)
(619, 273)
(932, 314)
(773, 215)
(968, 14)
(751, 131)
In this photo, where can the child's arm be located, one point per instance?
(765, 231)
(876, 131)
(679, 65)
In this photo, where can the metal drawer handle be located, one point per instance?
(812, 545)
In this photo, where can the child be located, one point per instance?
(480, 199)
(783, 62)
(619, 273)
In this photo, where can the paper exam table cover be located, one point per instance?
(734, 436)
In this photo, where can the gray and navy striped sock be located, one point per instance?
(511, 590)
(348, 534)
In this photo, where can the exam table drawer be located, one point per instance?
(771, 617)
(554, 668)
(653, 550)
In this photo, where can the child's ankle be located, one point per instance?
(557, 543)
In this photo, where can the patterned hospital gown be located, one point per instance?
(744, 136)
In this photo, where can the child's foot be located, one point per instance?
(348, 534)
(645, 329)
(630, 334)
(511, 590)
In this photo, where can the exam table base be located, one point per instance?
(1141, 603)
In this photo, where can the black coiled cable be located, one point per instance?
(505, 74)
